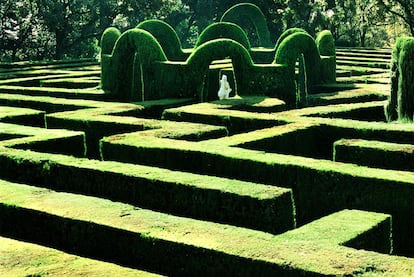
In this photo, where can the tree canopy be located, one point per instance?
(57, 29)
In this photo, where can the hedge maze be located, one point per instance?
(96, 181)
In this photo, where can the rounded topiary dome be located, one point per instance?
(325, 43)
(108, 40)
(166, 36)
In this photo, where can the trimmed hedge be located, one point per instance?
(223, 30)
(375, 153)
(326, 47)
(22, 116)
(36, 77)
(179, 246)
(332, 185)
(130, 67)
(166, 36)
(292, 47)
(43, 140)
(217, 49)
(320, 187)
(187, 79)
(248, 13)
(270, 80)
(326, 44)
(311, 179)
(318, 69)
(150, 76)
(99, 121)
(26, 259)
(236, 114)
(251, 205)
(287, 33)
(108, 40)
(71, 83)
(401, 102)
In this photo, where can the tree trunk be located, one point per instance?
(14, 54)
(362, 37)
(60, 45)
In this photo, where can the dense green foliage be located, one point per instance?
(326, 44)
(108, 40)
(56, 29)
(196, 177)
(223, 30)
(401, 102)
(248, 14)
(166, 36)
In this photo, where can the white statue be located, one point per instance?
(225, 88)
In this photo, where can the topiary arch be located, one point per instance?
(131, 60)
(240, 13)
(218, 49)
(138, 69)
(223, 30)
(166, 36)
(287, 33)
(297, 44)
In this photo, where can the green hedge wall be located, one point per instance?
(108, 40)
(292, 47)
(375, 153)
(319, 69)
(249, 205)
(130, 64)
(177, 246)
(401, 102)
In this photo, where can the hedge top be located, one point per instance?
(223, 30)
(245, 14)
(166, 36)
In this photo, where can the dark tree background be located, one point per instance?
(60, 29)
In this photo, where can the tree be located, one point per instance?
(366, 11)
(199, 14)
(44, 29)
(72, 22)
(353, 22)
(403, 9)
(17, 21)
